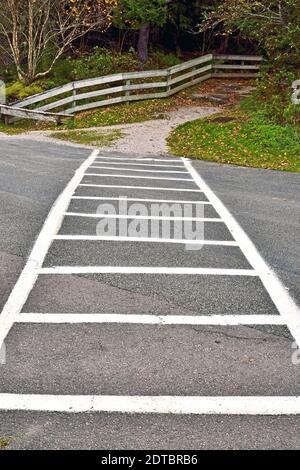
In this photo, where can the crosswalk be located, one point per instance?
(113, 283)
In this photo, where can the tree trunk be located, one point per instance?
(143, 44)
(30, 39)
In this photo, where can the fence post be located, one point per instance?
(214, 68)
(193, 69)
(74, 95)
(169, 77)
(127, 92)
(243, 71)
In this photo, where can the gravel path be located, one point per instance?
(146, 138)
(150, 137)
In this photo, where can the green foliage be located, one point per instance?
(166, 60)
(104, 62)
(101, 62)
(7, 72)
(241, 139)
(292, 115)
(133, 14)
(25, 125)
(184, 14)
(94, 138)
(272, 98)
(30, 30)
(274, 24)
(4, 442)
(122, 114)
(63, 71)
(19, 91)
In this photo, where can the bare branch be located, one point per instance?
(30, 27)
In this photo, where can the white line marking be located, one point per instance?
(139, 171)
(276, 290)
(170, 201)
(29, 274)
(100, 175)
(218, 320)
(142, 217)
(140, 187)
(141, 159)
(216, 405)
(145, 270)
(144, 239)
(140, 164)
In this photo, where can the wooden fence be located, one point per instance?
(83, 95)
(14, 112)
(236, 66)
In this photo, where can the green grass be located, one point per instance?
(239, 138)
(4, 442)
(23, 126)
(122, 114)
(108, 116)
(95, 138)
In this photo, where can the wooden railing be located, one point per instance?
(83, 95)
(236, 66)
(13, 112)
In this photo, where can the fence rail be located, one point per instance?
(236, 66)
(21, 113)
(83, 95)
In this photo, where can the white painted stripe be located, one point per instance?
(145, 270)
(101, 175)
(198, 405)
(140, 159)
(29, 274)
(140, 187)
(140, 164)
(286, 306)
(218, 320)
(144, 239)
(170, 201)
(139, 171)
(140, 217)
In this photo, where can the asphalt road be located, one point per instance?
(138, 359)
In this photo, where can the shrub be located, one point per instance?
(63, 72)
(167, 60)
(19, 91)
(272, 98)
(101, 62)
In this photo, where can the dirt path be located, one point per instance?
(147, 137)
(150, 137)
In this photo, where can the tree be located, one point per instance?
(272, 23)
(141, 15)
(30, 29)
(183, 17)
